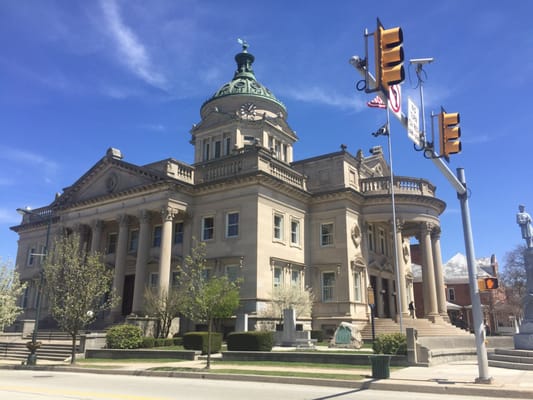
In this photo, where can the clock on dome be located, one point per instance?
(248, 110)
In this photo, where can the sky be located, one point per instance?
(78, 77)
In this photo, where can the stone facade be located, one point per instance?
(323, 223)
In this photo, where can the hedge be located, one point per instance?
(198, 341)
(250, 341)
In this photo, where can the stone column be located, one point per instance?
(427, 256)
(439, 274)
(524, 339)
(97, 228)
(165, 254)
(143, 253)
(120, 263)
(401, 287)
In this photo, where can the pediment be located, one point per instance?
(108, 178)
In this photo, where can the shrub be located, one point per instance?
(250, 341)
(124, 337)
(148, 342)
(392, 343)
(159, 342)
(177, 341)
(318, 335)
(198, 341)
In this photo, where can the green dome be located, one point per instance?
(244, 82)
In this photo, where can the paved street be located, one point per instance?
(40, 385)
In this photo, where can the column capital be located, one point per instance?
(145, 217)
(435, 233)
(168, 213)
(123, 220)
(97, 224)
(426, 227)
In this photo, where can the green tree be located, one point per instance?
(206, 298)
(10, 290)
(163, 306)
(78, 285)
(513, 277)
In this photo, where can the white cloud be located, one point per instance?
(14, 155)
(9, 216)
(132, 52)
(320, 96)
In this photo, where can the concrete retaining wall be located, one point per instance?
(115, 354)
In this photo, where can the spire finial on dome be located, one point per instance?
(244, 45)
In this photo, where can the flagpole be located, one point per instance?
(395, 236)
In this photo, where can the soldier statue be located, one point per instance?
(524, 220)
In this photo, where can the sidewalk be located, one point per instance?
(457, 378)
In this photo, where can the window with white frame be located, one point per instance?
(370, 235)
(134, 241)
(208, 228)
(178, 232)
(278, 277)
(451, 294)
(328, 286)
(112, 243)
(154, 279)
(232, 224)
(278, 226)
(326, 234)
(295, 231)
(156, 240)
(232, 272)
(358, 285)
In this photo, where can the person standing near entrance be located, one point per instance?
(412, 309)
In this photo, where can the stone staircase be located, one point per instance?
(55, 346)
(512, 359)
(423, 327)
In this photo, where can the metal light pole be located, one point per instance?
(32, 357)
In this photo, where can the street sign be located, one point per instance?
(395, 100)
(413, 122)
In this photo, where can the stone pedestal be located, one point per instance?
(524, 339)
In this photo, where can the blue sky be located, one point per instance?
(78, 77)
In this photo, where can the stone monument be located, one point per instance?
(524, 339)
(347, 336)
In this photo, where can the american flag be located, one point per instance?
(376, 103)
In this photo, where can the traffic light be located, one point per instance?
(449, 134)
(488, 284)
(389, 57)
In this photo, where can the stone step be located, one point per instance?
(510, 365)
(510, 358)
(48, 351)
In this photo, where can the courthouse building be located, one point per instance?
(266, 218)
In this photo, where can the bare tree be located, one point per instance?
(78, 284)
(163, 306)
(290, 296)
(206, 298)
(513, 276)
(10, 291)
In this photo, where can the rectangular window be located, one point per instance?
(31, 256)
(232, 224)
(25, 296)
(326, 234)
(154, 279)
(206, 273)
(285, 153)
(206, 150)
(208, 228)
(295, 278)
(370, 234)
(112, 243)
(295, 231)
(232, 272)
(278, 226)
(382, 242)
(227, 146)
(134, 241)
(278, 277)
(178, 232)
(156, 242)
(451, 294)
(218, 149)
(328, 284)
(358, 285)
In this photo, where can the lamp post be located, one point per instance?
(32, 346)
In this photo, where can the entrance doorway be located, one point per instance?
(127, 296)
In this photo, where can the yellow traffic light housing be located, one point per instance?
(485, 284)
(449, 134)
(389, 57)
